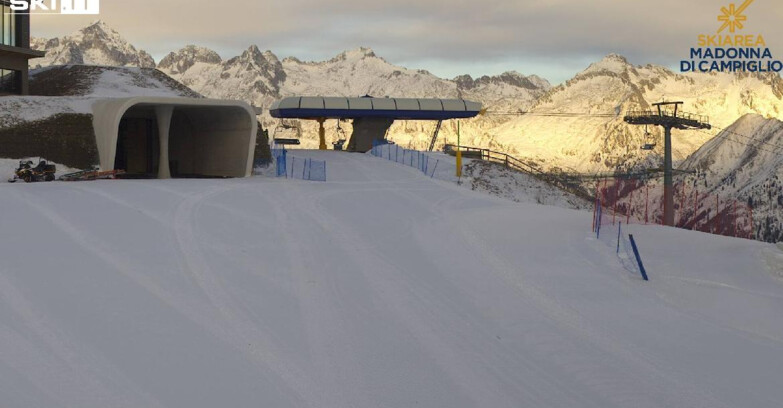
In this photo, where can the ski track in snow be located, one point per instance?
(381, 287)
(400, 296)
(611, 345)
(240, 326)
(82, 368)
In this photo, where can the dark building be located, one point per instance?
(14, 50)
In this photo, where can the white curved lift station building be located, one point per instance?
(162, 137)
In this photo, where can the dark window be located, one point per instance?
(7, 25)
(9, 81)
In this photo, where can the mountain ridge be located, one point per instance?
(611, 85)
(83, 47)
(744, 161)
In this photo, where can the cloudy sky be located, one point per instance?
(551, 38)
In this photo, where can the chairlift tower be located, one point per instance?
(668, 116)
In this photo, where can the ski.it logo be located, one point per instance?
(68, 7)
(730, 51)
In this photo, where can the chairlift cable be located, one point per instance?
(753, 142)
(757, 144)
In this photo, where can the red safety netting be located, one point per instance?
(640, 201)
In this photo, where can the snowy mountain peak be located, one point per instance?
(744, 162)
(738, 147)
(261, 59)
(99, 32)
(613, 63)
(182, 60)
(99, 27)
(355, 54)
(512, 78)
(252, 52)
(95, 44)
(615, 57)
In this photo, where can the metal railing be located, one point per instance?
(561, 181)
(668, 113)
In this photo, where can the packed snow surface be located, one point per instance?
(378, 288)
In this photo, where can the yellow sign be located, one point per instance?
(732, 16)
(730, 50)
(732, 41)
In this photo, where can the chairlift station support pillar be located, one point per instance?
(668, 116)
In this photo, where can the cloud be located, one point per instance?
(439, 33)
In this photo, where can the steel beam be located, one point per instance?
(668, 185)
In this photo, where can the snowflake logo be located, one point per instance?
(732, 16)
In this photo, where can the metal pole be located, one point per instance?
(646, 202)
(614, 206)
(717, 214)
(736, 220)
(321, 135)
(596, 202)
(668, 197)
(683, 192)
(630, 206)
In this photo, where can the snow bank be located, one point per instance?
(129, 82)
(499, 181)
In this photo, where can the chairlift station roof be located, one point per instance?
(318, 107)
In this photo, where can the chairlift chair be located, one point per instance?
(340, 131)
(338, 145)
(285, 129)
(649, 140)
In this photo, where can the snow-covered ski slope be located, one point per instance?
(378, 288)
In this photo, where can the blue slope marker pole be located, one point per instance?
(638, 258)
(598, 224)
